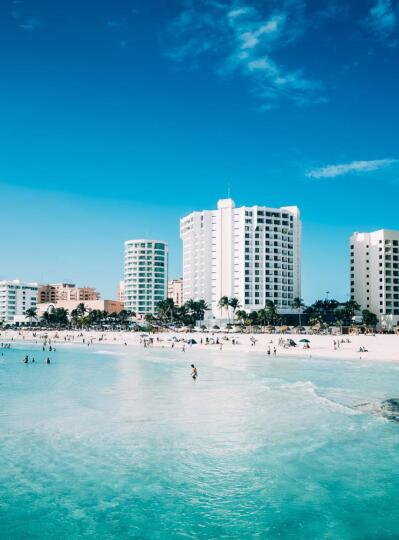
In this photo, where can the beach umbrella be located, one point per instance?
(304, 341)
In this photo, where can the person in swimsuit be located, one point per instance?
(194, 372)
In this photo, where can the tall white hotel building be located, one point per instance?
(146, 275)
(374, 273)
(251, 253)
(16, 297)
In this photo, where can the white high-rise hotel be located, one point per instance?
(16, 297)
(251, 253)
(375, 272)
(146, 275)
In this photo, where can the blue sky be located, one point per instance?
(117, 118)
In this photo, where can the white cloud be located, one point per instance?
(30, 24)
(244, 39)
(238, 12)
(382, 18)
(331, 171)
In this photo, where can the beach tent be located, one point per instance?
(299, 330)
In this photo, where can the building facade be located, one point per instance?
(66, 292)
(121, 291)
(175, 291)
(374, 273)
(250, 253)
(109, 306)
(146, 275)
(16, 297)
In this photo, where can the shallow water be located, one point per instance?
(99, 445)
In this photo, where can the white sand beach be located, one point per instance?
(379, 347)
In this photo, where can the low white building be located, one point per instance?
(374, 273)
(252, 253)
(16, 297)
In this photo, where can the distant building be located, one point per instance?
(16, 297)
(121, 291)
(110, 306)
(68, 292)
(252, 253)
(175, 291)
(374, 273)
(146, 274)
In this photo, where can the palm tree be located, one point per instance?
(123, 316)
(234, 303)
(191, 307)
(149, 318)
(223, 304)
(165, 310)
(271, 310)
(46, 317)
(298, 304)
(30, 314)
(263, 316)
(241, 315)
(60, 316)
(350, 307)
(201, 307)
(253, 318)
(81, 309)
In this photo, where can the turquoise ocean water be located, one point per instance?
(113, 446)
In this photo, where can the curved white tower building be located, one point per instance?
(146, 274)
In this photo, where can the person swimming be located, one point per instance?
(194, 372)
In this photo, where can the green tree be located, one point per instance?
(165, 310)
(234, 303)
(271, 310)
(201, 308)
(241, 316)
(350, 307)
(369, 318)
(31, 314)
(299, 305)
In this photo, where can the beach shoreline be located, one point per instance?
(379, 347)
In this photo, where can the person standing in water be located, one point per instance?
(194, 372)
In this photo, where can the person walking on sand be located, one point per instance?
(194, 372)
